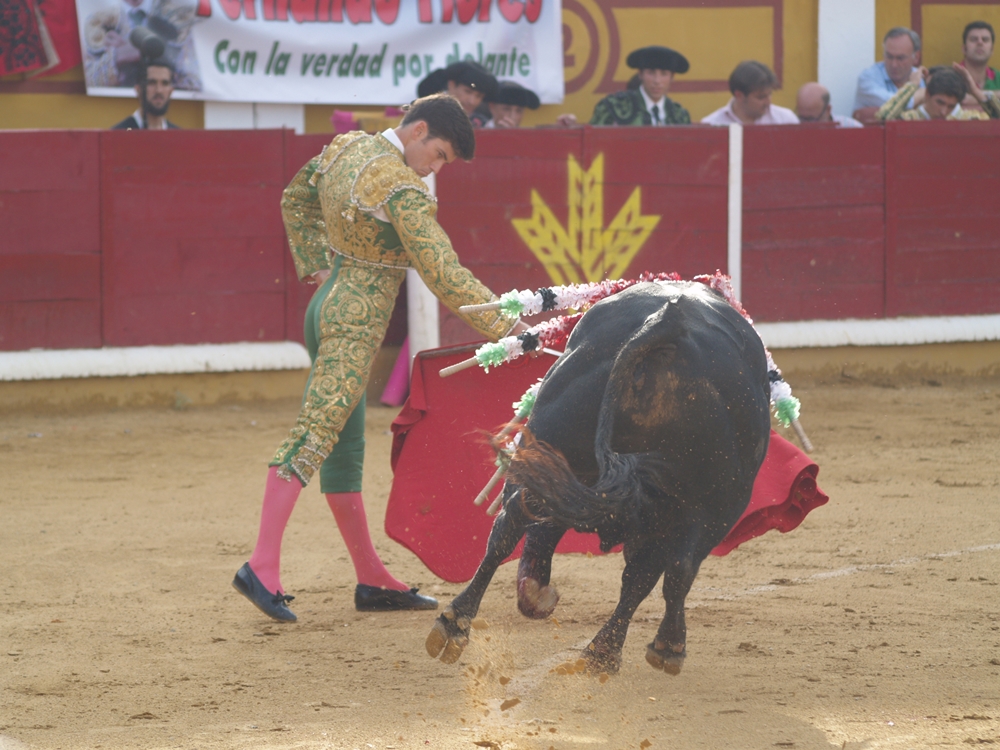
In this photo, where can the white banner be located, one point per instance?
(319, 51)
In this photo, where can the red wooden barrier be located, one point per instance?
(50, 241)
(684, 174)
(583, 181)
(131, 238)
(192, 240)
(943, 233)
(813, 222)
(478, 200)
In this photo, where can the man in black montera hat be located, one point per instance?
(505, 107)
(466, 80)
(648, 104)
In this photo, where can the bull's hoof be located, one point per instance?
(668, 658)
(448, 638)
(600, 661)
(534, 600)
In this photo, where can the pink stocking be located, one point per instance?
(349, 512)
(279, 499)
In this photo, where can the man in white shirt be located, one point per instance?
(751, 84)
(812, 104)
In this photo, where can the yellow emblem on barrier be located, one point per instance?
(584, 250)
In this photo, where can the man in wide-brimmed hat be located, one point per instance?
(505, 107)
(649, 103)
(466, 80)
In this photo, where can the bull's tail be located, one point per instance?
(627, 482)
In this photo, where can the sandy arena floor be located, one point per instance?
(874, 625)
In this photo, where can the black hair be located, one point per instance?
(945, 80)
(978, 25)
(446, 120)
(750, 76)
(160, 62)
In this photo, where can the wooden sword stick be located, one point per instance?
(465, 364)
(501, 470)
(803, 438)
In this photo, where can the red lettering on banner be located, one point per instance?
(232, 9)
(467, 9)
(359, 11)
(304, 11)
(330, 10)
(275, 10)
(387, 11)
(512, 10)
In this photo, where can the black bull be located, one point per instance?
(650, 431)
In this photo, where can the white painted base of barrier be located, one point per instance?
(51, 364)
(884, 332)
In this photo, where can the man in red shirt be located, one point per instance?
(977, 48)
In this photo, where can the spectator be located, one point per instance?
(945, 89)
(648, 103)
(751, 83)
(156, 84)
(466, 80)
(505, 108)
(977, 48)
(812, 104)
(879, 82)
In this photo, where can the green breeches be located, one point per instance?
(345, 324)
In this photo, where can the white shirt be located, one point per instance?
(660, 107)
(430, 180)
(846, 122)
(142, 121)
(953, 113)
(775, 115)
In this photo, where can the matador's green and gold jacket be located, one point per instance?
(360, 200)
